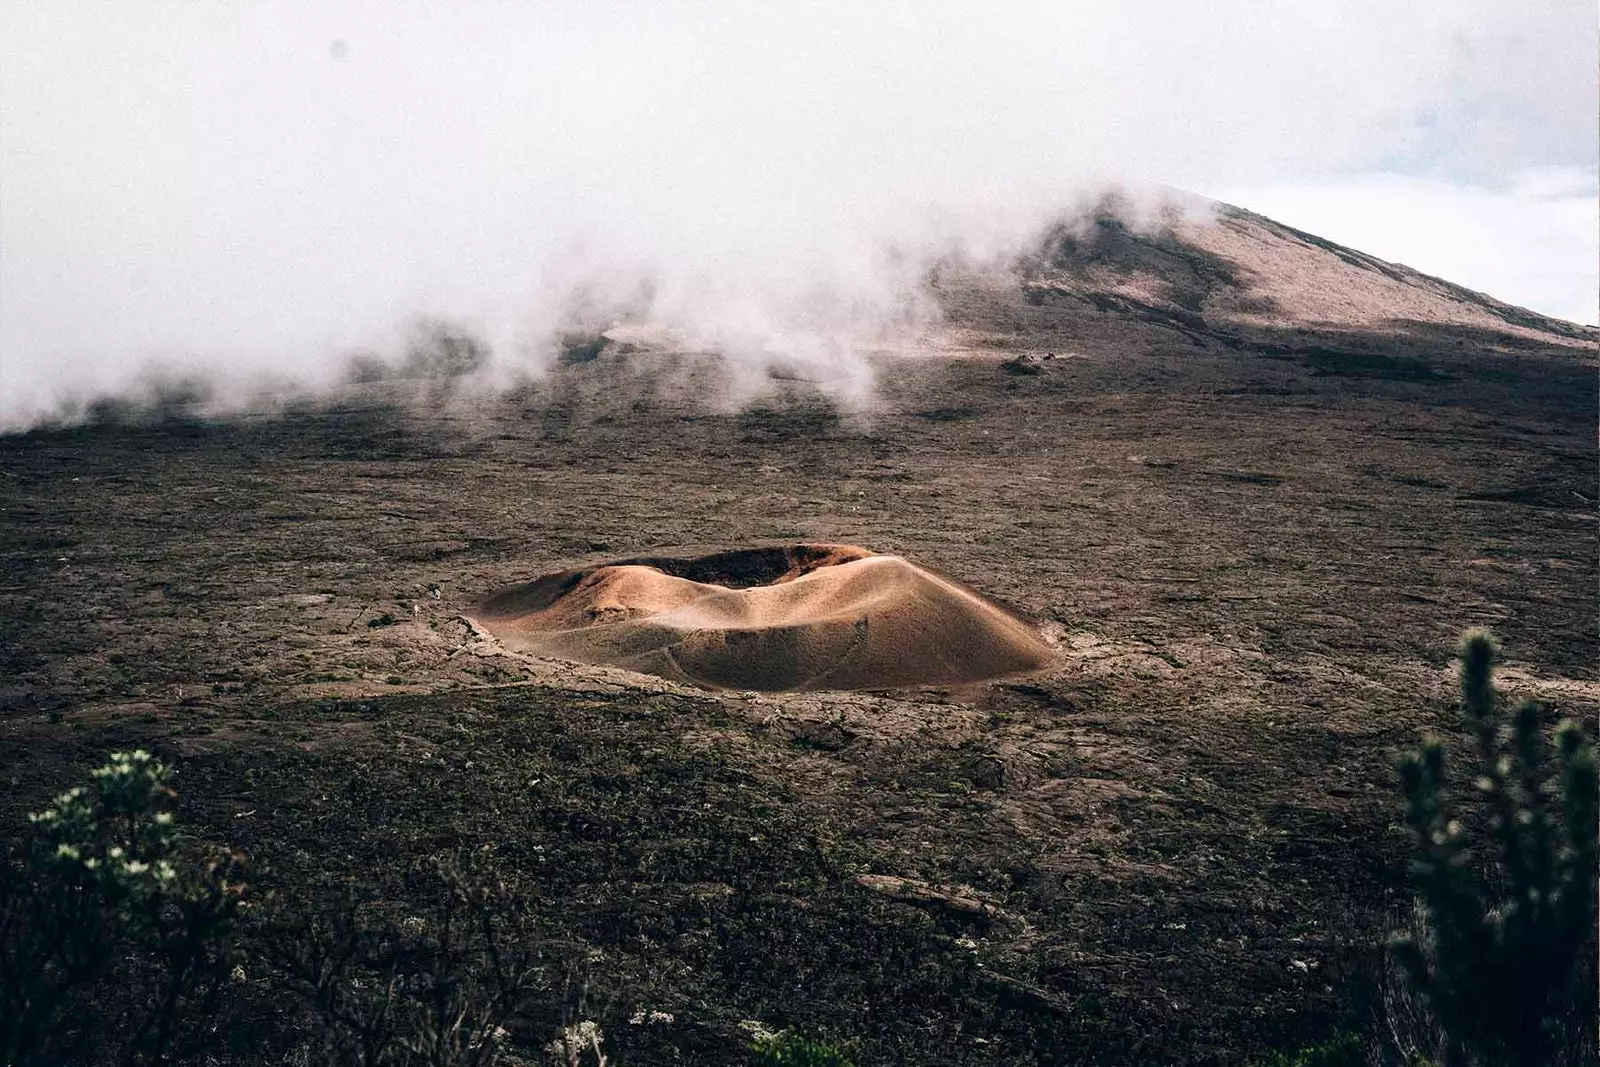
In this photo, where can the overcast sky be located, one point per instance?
(267, 184)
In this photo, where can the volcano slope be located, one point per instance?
(1251, 484)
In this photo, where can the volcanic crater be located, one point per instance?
(773, 618)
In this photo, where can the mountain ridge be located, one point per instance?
(1235, 271)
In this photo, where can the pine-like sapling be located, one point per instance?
(1505, 963)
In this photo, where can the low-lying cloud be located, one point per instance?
(260, 191)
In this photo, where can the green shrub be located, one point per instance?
(115, 945)
(1344, 1050)
(1503, 960)
(789, 1049)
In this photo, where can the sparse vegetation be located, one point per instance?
(118, 946)
(437, 988)
(454, 962)
(789, 1049)
(116, 943)
(1345, 1049)
(464, 959)
(1503, 954)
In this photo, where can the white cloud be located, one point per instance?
(1535, 243)
(220, 184)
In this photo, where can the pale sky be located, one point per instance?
(268, 186)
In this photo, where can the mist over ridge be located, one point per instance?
(254, 197)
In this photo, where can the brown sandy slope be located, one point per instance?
(836, 617)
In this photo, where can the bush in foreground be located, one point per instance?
(1503, 956)
(115, 944)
